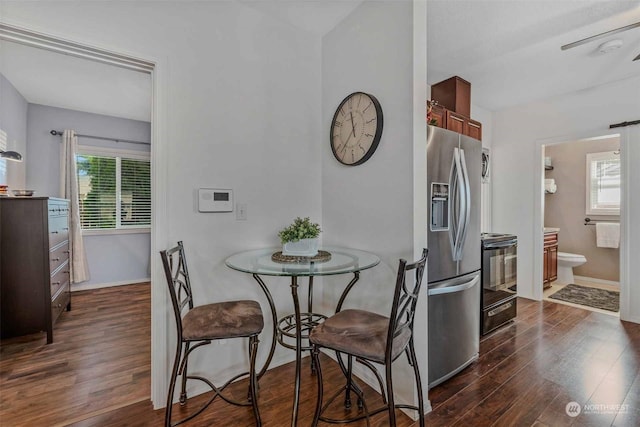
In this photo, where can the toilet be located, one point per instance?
(566, 262)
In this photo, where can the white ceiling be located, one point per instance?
(509, 50)
(316, 16)
(57, 80)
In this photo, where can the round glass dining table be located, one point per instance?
(296, 326)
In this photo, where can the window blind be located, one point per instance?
(135, 193)
(603, 192)
(3, 162)
(114, 192)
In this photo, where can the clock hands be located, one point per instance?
(353, 127)
(343, 147)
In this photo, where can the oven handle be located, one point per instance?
(498, 245)
(457, 288)
(500, 309)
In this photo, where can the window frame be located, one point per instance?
(591, 158)
(91, 150)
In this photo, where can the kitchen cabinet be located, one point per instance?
(550, 259)
(442, 117)
(34, 264)
(464, 125)
(474, 129)
(436, 114)
(453, 94)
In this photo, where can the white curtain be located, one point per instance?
(79, 267)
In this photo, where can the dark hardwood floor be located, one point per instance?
(527, 373)
(99, 360)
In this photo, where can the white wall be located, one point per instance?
(371, 206)
(630, 307)
(517, 135)
(43, 166)
(240, 98)
(485, 117)
(13, 120)
(112, 258)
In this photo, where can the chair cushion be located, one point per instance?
(360, 333)
(222, 320)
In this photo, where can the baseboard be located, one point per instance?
(88, 286)
(632, 319)
(600, 281)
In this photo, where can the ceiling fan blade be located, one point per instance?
(599, 36)
(636, 58)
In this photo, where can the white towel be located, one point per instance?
(607, 234)
(550, 185)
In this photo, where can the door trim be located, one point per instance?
(538, 215)
(155, 67)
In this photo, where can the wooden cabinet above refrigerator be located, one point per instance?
(442, 117)
(450, 107)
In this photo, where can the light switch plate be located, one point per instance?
(215, 200)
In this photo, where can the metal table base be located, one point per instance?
(292, 329)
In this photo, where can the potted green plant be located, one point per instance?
(300, 238)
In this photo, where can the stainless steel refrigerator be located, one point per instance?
(454, 169)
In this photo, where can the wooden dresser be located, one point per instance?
(34, 264)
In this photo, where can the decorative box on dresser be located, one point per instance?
(34, 264)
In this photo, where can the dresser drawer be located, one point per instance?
(58, 230)
(60, 279)
(58, 255)
(59, 303)
(57, 208)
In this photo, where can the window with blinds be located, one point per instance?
(114, 190)
(3, 162)
(603, 183)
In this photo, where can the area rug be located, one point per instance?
(591, 297)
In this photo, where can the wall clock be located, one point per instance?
(356, 128)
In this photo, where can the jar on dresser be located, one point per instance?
(34, 264)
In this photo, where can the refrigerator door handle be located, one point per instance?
(457, 288)
(453, 189)
(456, 179)
(467, 204)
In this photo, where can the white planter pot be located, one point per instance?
(303, 247)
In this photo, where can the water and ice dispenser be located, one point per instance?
(439, 207)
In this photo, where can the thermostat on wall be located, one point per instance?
(215, 200)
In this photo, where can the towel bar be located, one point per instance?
(589, 221)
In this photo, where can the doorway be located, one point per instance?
(54, 46)
(582, 188)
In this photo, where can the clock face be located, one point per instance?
(356, 128)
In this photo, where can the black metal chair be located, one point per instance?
(200, 325)
(370, 337)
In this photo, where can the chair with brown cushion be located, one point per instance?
(370, 337)
(200, 325)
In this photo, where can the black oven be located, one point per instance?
(499, 280)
